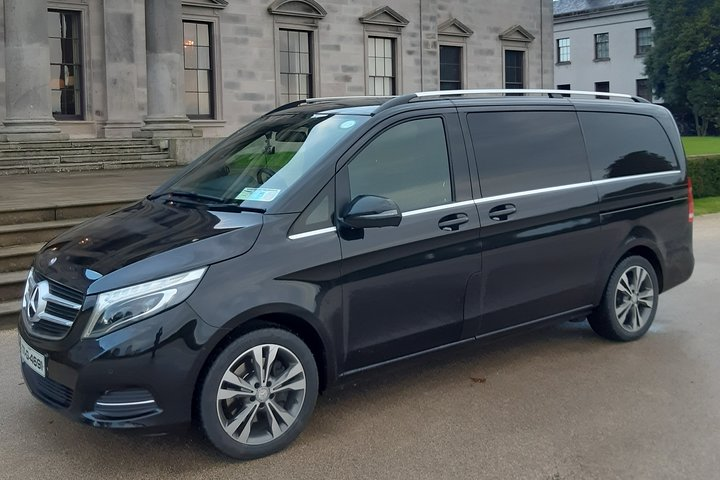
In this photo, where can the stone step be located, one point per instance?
(76, 143)
(24, 233)
(112, 157)
(87, 166)
(60, 212)
(10, 154)
(9, 313)
(12, 285)
(18, 160)
(13, 259)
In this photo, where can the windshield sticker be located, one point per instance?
(348, 124)
(258, 194)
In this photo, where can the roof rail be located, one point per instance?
(550, 93)
(490, 91)
(310, 101)
(330, 99)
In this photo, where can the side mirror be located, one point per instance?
(370, 211)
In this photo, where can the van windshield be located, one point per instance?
(260, 161)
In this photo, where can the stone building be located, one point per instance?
(203, 68)
(600, 45)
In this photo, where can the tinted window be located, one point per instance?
(520, 151)
(407, 163)
(620, 144)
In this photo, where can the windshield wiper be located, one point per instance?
(185, 194)
(192, 198)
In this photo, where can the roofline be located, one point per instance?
(637, 5)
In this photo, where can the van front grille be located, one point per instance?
(49, 308)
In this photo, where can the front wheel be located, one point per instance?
(259, 393)
(629, 302)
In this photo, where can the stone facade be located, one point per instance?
(131, 57)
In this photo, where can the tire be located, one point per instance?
(628, 307)
(248, 415)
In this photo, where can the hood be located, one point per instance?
(145, 241)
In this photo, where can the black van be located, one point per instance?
(334, 235)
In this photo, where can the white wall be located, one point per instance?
(624, 66)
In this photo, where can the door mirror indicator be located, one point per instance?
(370, 211)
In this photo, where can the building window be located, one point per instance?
(450, 68)
(563, 50)
(602, 87)
(381, 66)
(643, 40)
(602, 46)
(514, 69)
(642, 88)
(199, 78)
(65, 64)
(295, 65)
(564, 86)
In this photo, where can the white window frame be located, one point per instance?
(210, 16)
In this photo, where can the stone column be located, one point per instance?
(28, 114)
(121, 105)
(165, 71)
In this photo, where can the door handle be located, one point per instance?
(452, 222)
(502, 212)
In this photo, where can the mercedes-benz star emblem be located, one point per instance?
(37, 302)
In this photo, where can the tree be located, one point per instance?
(683, 66)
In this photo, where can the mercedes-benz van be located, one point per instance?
(334, 235)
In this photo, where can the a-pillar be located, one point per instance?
(165, 71)
(28, 114)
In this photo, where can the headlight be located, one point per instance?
(120, 307)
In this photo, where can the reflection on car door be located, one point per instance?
(539, 218)
(403, 287)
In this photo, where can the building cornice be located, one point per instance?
(638, 6)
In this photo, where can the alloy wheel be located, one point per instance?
(261, 394)
(634, 298)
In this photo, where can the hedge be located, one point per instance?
(705, 173)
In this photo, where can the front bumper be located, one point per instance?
(142, 375)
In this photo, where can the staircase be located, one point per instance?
(80, 155)
(22, 234)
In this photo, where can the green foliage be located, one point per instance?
(705, 174)
(684, 64)
(701, 145)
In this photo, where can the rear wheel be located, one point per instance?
(629, 302)
(259, 393)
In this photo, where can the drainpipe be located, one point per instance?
(422, 47)
(542, 47)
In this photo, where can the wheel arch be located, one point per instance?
(638, 241)
(651, 256)
(284, 317)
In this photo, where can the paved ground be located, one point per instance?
(42, 190)
(558, 403)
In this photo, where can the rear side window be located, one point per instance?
(520, 151)
(407, 163)
(622, 144)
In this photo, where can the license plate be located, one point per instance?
(32, 358)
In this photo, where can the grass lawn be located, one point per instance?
(701, 145)
(707, 205)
